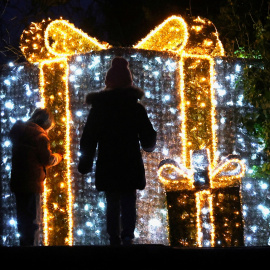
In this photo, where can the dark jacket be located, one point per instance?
(31, 155)
(117, 124)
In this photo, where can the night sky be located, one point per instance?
(118, 22)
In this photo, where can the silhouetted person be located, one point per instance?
(31, 156)
(116, 127)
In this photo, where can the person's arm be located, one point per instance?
(88, 144)
(147, 134)
(45, 155)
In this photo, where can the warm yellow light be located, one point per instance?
(68, 40)
(197, 28)
(203, 39)
(63, 65)
(55, 205)
(219, 178)
(28, 45)
(57, 39)
(68, 159)
(207, 42)
(171, 35)
(199, 19)
(204, 199)
(210, 141)
(182, 178)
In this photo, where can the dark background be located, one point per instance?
(118, 22)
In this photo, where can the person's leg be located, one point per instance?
(113, 217)
(128, 216)
(38, 220)
(26, 215)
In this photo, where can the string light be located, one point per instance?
(69, 40)
(174, 35)
(59, 104)
(204, 199)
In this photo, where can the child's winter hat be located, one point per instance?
(119, 75)
(43, 118)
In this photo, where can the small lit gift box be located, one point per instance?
(204, 204)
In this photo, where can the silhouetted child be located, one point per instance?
(31, 156)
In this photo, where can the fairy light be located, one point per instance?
(183, 112)
(185, 104)
(49, 43)
(220, 179)
(32, 42)
(67, 157)
(174, 34)
(181, 179)
(210, 198)
(204, 198)
(199, 235)
(52, 100)
(69, 40)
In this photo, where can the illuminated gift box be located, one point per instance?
(174, 62)
(227, 219)
(204, 208)
(199, 169)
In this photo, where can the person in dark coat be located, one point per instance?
(116, 127)
(31, 156)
